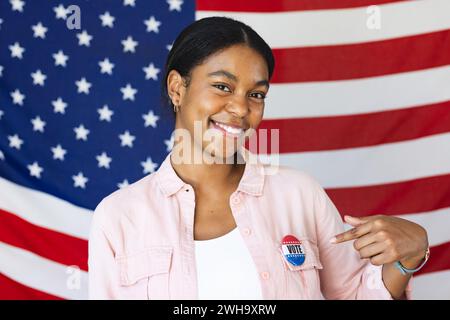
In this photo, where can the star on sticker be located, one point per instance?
(83, 86)
(175, 5)
(17, 5)
(84, 39)
(59, 106)
(38, 124)
(152, 24)
(15, 141)
(129, 45)
(38, 78)
(105, 113)
(106, 66)
(151, 72)
(61, 12)
(130, 3)
(103, 160)
(39, 30)
(107, 20)
(17, 97)
(59, 152)
(169, 143)
(35, 170)
(81, 132)
(79, 181)
(123, 184)
(150, 119)
(60, 58)
(128, 92)
(126, 139)
(16, 50)
(148, 165)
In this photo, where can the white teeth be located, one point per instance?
(228, 128)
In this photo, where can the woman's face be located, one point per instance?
(224, 99)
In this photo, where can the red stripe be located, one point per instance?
(12, 290)
(283, 5)
(370, 59)
(439, 259)
(414, 196)
(49, 244)
(351, 131)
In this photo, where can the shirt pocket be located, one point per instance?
(303, 281)
(145, 274)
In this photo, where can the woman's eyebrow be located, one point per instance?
(234, 78)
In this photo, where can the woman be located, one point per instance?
(211, 224)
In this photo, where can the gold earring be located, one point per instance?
(176, 108)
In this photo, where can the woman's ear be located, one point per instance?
(175, 87)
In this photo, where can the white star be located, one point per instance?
(15, 141)
(1, 114)
(169, 143)
(126, 139)
(58, 153)
(84, 39)
(169, 47)
(123, 184)
(103, 160)
(61, 12)
(17, 5)
(129, 44)
(128, 92)
(150, 119)
(2, 156)
(175, 4)
(16, 51)
(1, 21)
(152, 24)
(105, 113)
(35, 170)
(59, 106)
(107, 20)
(81, 132)
(83, 86)
(17, 97)
(60, 58)
(149, 165)
(1, 71)
(106, 66)
(39, 30)
(151, 72)
(131, 3)
(80, 180)
(38, 78)
(38, 124)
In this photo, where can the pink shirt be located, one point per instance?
(141, 243)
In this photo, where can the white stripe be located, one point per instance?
(433, 285)
(357, 96)
(44, 210)
(365, 166)
(343, 26)
(42, 274)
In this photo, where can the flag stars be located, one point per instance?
(84, 39)
(150, 119)
(123, 184)
(126, 139)
(17, 5)
(17, 97)
(38, 124)
(59, 106)
(16, 50)
(1, 71)
(35, 170)
(169, 143)
(79, 181)
(2, 156)
(15, 142)
(60, 58)
(152, 24)
(105, 113)
(129, 45)
(81, 132)
(106, 66)
(107, 20)
(151, 72)
(148, 165)
(130, 3)
(58, 152)
(1, 114)
(128, 92)
(39, 30)
(61, 12)
(103, 160)
(175, 5)
(83, 86)
(38, 78)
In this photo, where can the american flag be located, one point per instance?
(360, 94)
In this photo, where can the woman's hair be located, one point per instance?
(204, 38)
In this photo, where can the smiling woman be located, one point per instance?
(216, 225)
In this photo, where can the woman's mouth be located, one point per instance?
(227, 130)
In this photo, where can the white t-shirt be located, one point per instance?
(225, 269)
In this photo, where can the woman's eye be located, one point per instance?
(259, 95)
(222, 87)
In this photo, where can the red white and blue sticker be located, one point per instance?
(293, 250)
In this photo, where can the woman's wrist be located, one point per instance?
(414, 262)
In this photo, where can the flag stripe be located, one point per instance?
(52, 245)
(439, 259)
(340, 62)
(343, 26)
(13, 290)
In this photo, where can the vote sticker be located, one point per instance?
(293, 250)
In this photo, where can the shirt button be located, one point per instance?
(247, 231)
(265, 275)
